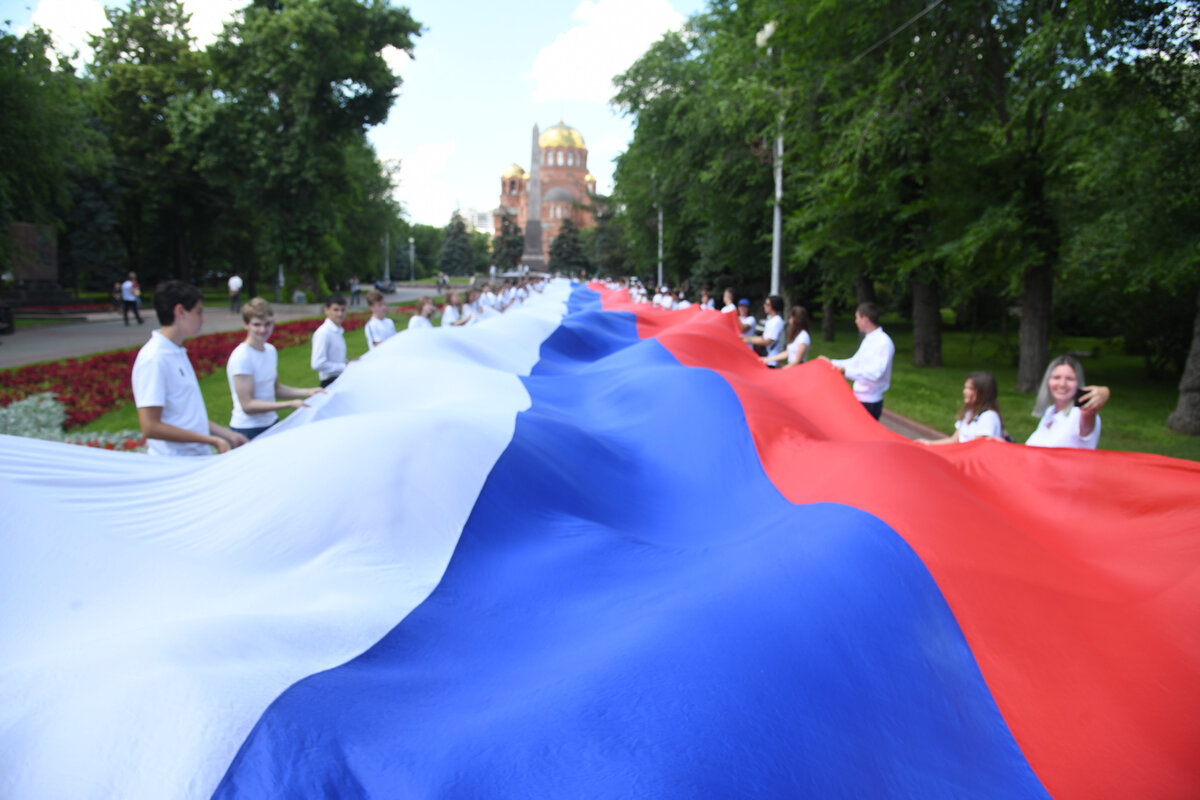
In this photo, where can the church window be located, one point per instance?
(512, 187)
(560, 158)
(570, 159)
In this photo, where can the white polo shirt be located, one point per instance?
(379, 330)
(263, 367)
(416, 321)
(163, 377)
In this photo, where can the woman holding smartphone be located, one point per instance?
(1068, 408)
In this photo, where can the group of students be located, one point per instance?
(171, 410)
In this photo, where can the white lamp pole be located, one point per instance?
(412, 264)
(762, 39)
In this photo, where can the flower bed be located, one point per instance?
(91, 386)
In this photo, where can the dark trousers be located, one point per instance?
(328, 381)
(874, 409)
(235, 303)
(250, 433)
(127, 306)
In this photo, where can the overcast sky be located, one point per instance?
(483, 73)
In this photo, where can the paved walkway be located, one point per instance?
(104, 331)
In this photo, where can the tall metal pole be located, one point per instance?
(412, 264)
(660, 237)
(387, 258)
(777, 233)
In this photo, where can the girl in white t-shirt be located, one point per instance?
(424, 312)
(799, 339)
(979, 416)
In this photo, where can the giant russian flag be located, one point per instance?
(589, 549)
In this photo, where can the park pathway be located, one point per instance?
(104, 331)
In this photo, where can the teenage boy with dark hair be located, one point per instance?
(329, 341)
(871, 365)
(170, 407)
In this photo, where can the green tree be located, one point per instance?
(566, 252)
(142, 62)
(281, 128)
(457, 255)
(508, 247)
(46, 143)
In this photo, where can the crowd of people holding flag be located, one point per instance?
(1067, 408)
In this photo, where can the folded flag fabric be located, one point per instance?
(593, 549)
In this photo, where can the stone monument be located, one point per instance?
(533, 216)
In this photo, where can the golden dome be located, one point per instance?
(561, 135)
(513, 171)
(589, 178)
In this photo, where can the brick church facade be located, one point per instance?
(565, 181)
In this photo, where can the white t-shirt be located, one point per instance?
(749, 326)
(773, 330)
(235, 284)
(986, 424)
(793, 348)
(379, 330)
(163, 377)
(729, 309)
(263, 367)
(127, 292)
(1061, 429)
(416, 321)
(450, 315)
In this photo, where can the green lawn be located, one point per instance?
(1135, 418)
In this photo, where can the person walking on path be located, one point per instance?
(129, 299)
(235, 293)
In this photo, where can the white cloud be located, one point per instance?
(422, 186)
(73, 22)
(581, 63)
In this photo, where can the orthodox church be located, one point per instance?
(559, 176)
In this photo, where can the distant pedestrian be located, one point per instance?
(129, 298)
(235, 293)
(355, 291)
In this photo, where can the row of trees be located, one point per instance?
(177, 161)
(990, 156)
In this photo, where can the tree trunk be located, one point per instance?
(828, 321)
(1034, 336)
(864, 289)
(1186, 416)
(927, 324)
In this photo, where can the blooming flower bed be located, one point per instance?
(88, 387)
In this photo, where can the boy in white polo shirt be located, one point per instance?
(253, 371)
(170, 407)
(379, 327)
(329, 341)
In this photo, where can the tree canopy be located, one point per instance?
(993, 158)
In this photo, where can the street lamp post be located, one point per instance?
(412, 264)
(387, 258)
(762, 39)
